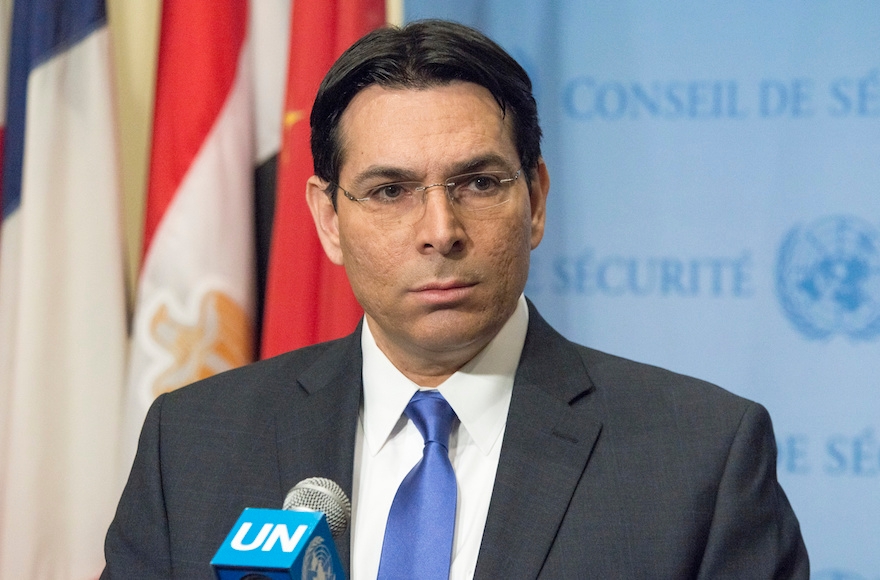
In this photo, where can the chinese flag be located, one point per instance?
(308, 299)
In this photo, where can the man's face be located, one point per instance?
(441, 285)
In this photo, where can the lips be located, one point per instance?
(444, 291)
(443, 285)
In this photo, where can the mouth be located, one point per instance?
(444, 292)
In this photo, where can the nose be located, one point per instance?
(439, 229)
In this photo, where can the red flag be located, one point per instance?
(308, 299)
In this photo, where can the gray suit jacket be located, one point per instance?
(608, 468)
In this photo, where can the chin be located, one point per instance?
(455, 335)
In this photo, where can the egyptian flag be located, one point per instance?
(308, 299)
(62, 295)
(194, 315)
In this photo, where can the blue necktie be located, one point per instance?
(418, 535)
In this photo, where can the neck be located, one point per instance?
(427, 367)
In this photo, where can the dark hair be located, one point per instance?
(420, 55)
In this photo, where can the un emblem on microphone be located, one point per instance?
(318, 562)
(828, 278)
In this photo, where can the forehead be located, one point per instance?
(423, 130)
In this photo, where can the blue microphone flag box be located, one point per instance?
(278, 545)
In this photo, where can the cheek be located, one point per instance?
(370, 259)
(509, 252)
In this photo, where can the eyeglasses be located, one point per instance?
(472, 194)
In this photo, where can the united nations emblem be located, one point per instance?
(828, 278)
(318, 562)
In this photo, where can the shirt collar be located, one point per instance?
(479, 392)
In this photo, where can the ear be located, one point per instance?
(326, 220)
(540, 187)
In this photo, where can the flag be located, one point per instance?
(194, 315)
(270, 26)
(62, 295)
(308, 299)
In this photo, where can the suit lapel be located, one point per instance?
(317, 425)
(547, 444)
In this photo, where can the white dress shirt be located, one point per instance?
(388, 445)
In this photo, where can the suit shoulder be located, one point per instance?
(625, 384)
(629, 382)
(254, 387)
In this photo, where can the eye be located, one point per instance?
(389, 192)
(478, 183)
(485, 182)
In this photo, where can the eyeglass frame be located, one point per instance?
(446, 185)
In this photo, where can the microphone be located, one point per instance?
(319, 494)
(293, 543)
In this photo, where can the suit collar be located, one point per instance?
(547, 443)
(548, 355)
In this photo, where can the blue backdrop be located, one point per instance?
(715, 209)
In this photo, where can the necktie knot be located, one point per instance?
(432, 416)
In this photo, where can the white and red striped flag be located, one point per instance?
(195, 301)
(62, 295)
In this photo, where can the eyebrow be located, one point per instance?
(390, 173)
(384, 173)
(491, 161)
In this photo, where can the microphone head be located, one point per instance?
(319, 494)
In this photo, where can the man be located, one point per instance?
(430, 189)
